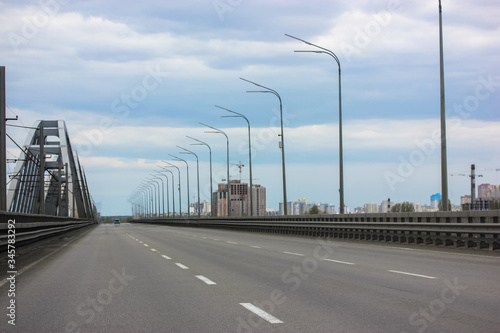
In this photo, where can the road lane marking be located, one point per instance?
(294, 254)
(261, 313)
(154, 250)
(206, 280)
(340, 262)
(181, 265)
(256, 247)
(204, 237)
(166, 257)
(215, 239)
(146, 245)
(232, 243)
(413, 274)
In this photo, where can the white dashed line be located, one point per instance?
(261, 313)
(204, 237)
(294, 254)
(204, 279)
(413, 274)
(166, 257)
(154, 250)
(146, 245)
(256, 247)
(181, 265)
(232, 243)
(340, 262)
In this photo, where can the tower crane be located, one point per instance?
(239, 165)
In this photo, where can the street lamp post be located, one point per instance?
(341, 159)
(201, 143)
(163, 169)
(197, 173)
(282, 141)
(187, 179)
(216, 130)
(162, 203)
(165, 190)
(444, 162)
(239, 115)
(179, 172)
(156, 183)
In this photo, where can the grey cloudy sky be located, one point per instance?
(132, 79)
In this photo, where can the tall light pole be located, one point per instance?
(444, 163)
(187, 179)
(201, 143)
(239, 115)
(164, 169)
(282, 141)
(216, 130)
(179, 172)
(197, 173)
(165, 190)
(341, 154)
(156, 183)
(162, 194)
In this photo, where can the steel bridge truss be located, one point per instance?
(48, 177)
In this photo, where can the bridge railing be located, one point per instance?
(470, 229)
(30, 227)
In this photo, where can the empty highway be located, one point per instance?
(147, 278)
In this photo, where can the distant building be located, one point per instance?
(259, 200)
(386, 206)
(488, 191)
(240, 199)
(465, 199)
(370, 208)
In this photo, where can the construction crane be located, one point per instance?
(239, 166)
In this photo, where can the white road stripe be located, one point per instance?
(413, 274)
(340, 262)
(294, 254)
(232, 242)
(256, 247)
(181, 265)
(261, 313)
(166, 257)
(204, 279)
(154, 250)
(146, 245)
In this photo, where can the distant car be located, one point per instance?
(117, 221)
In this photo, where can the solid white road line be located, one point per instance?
(261, 313)
(413, 274)
(181, 265)
(204, 279)
(294, 254)
(340, 262)
(166, 257)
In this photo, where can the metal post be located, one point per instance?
(3, 149)
(197, 173)
(239, 115)
(444, 163)
(282, 141)
(210, 156)
(341, 153)
(187, 180)
(228, 199)
(41, 141)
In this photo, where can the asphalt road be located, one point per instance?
(146, 278)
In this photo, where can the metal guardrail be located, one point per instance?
(29, 227)
(470, 229)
